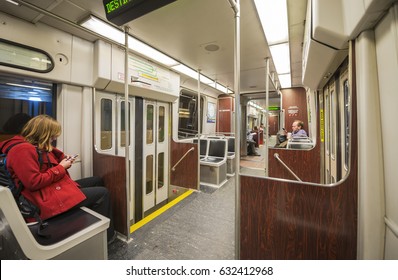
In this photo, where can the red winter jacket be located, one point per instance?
(49, 187)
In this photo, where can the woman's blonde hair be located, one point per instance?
(41, 131)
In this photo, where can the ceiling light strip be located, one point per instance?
(274, 21)
(106, 30)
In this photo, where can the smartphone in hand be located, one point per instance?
(73, 157)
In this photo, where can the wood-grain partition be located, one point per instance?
(186, 172)
(225, 114)
(112, 170)
(294, 103)
(291, 220)
(304, 163)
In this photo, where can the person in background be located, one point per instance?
(255, 136)
(43, 171)
(261, 127)
(298, 129)
(251, 144)
(15, 124)
(281, 139)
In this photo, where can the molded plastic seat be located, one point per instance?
(213, 168)
(76, 234)
(231, 156)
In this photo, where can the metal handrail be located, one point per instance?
(276, 155)
(178, 162)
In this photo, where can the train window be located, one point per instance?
(24, 57)
(106, 124)
(161, 125)
(149, 124)
(149, 174)
(123, 125)
(188, 115)
(21, 99)
(160, 170)
(346, 124)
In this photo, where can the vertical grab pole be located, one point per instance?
(127, 127)
(267, 77)
(199, 126)
(235, 4)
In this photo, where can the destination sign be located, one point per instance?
(120, 12)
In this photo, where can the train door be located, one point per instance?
(327, 134)
(121, 142)
(334, 177)
(331, 109)
(105, 125)
(321, 102)
(155, 153)
(273, 124)
(344, 93)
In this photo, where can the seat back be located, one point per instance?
(217, 148)
(231, 144)
(203, 146)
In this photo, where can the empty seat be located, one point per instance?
(213, 168)
(202, 148)
(217, 151)
(231, 156)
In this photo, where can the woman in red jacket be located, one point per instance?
(42, 169)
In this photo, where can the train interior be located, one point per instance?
(204, 164)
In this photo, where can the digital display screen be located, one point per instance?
(115, 5)
(120, 12)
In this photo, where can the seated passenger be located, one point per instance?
(298, 129)
(255, 136)
(42, 169)
(281, 139)
(251, 145)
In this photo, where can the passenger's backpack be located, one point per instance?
(26, 207)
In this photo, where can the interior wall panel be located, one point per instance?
(292, 220)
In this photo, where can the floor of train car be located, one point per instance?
(255, 165)
(201, 226)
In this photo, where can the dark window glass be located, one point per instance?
(20, 100)
(188, 115)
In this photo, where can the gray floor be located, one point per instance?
(200, 227)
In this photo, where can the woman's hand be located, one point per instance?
(67, 162)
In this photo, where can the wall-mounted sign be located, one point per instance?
(211, 112)
(293, 111)
(24, 57)
(120, 12)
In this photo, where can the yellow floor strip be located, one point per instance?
(159, 211)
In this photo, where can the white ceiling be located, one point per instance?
(184, 28)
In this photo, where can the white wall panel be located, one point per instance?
(82, 61)
(73, 57)
(69, 114)
(56, 43)
(371, 203)
(386, 35)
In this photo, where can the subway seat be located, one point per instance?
(77, 234)
(213, 167)
(300, 143)
(203, 147)
(231, 157)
